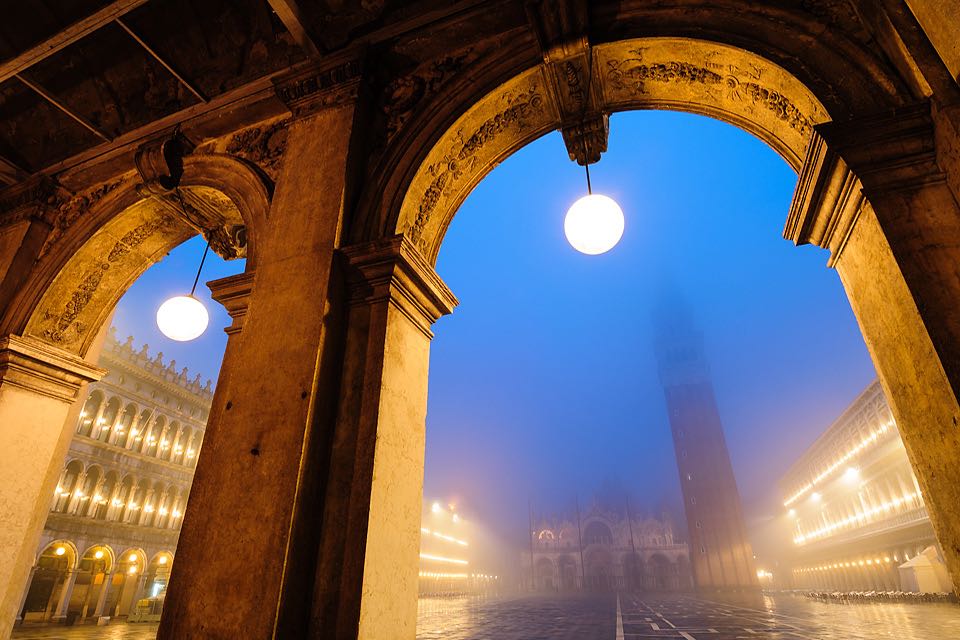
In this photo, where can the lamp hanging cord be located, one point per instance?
(589, 189)
(197, 279)
(583, 116)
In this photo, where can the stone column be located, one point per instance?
(102, 597)
(26, 591)
(65, 594)
(38, 386)
(137, 593)
(367, 570)
(248, 540)
(880, 199)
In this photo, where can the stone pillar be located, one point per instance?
(880, 199)
(137, 593)
(38, 386)
(104, 592)
(65, 594)
(26, 591)
(257, 493)
(367, 571)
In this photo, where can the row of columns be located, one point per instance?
(133, 431)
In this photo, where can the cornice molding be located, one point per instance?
(233, 292)
(394, 271)
(35, 366)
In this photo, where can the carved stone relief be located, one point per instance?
(401, 96)
(116, 253)
(715, 80)
(477, 140)
(668, 73)
(67, 212)
(263, 145)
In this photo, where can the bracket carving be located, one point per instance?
(160, 163)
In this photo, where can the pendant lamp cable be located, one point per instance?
(197, 279)
(583, 116)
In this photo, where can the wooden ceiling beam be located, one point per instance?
(64, 38)
(292, 18)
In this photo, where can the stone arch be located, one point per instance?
(90, 412)
(70, 553)
(546, 573)
(597, 532)
(744, 77)
(70, 480)
(103, 240)
(567, 572)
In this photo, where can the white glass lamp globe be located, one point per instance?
(594, 224)
(182, 318)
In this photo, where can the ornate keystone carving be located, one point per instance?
(586, 140)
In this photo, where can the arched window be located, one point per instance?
(101, 501)
(597, 533)
(69, 482)
(90, 413)
(104, 424)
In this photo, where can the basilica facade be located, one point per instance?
(110, 536)
(606, 550)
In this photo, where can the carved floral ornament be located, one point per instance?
(673, 73)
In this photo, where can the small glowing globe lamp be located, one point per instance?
(182, 318)
(594, 224)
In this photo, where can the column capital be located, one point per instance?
(36, 366)
(889, 151)
(826, 203)
(233, 292)
(395, 271)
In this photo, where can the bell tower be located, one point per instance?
(720, 554)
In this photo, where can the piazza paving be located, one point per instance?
(630, 616)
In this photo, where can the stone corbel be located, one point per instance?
(233, 292)
(34, 365)
(560, 27)
(394, 271)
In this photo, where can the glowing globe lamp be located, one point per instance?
(594, 224)
(182, 318)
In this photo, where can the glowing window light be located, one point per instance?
(132, 570)
(133, 557)
(867, 441)
(60, 551)
(428, 556)
(162, 560)
(858, 517)
(98, 555)
(437, 534)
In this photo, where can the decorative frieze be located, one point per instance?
(319, 87)
(520, 112)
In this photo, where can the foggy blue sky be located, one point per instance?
(543, 381)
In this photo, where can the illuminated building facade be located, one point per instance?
(453, 554)
(604, 550)
(111, 533)
(859, 518)
(721, 556)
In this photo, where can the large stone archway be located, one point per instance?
(308, 491)
(99, 242)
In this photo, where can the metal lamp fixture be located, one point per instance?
(184, 318)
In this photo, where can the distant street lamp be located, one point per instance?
(594, 223)
(184, 318)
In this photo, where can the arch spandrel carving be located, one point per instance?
(85, 290)
(517, 112)
(706, 78)
(679, 74)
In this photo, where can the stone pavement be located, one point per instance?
(642, 616)
(116, 631)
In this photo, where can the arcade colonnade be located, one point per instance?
(338, 183)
